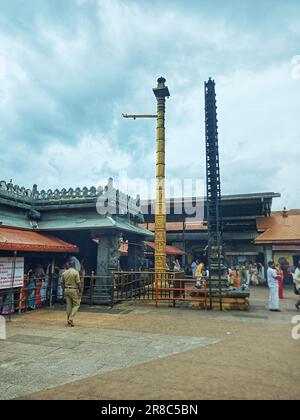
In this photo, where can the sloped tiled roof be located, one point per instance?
(24, 240)
(279, 229)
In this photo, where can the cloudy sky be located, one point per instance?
(70, 68)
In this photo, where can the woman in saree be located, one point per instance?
(31, 293)
(41, 285)
(280, 280)
(39, 275)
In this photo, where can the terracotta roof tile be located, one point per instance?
(279, 229)
(25, 240)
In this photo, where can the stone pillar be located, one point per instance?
(107, 262)
(136, 256)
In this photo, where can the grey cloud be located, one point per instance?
(75, 66)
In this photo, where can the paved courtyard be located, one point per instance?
(137, 351)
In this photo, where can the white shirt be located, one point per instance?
(297, 278)
(297, 272)
(272, 277)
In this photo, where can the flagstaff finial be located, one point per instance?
(161, 91)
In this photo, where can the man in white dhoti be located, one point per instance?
(273, 287)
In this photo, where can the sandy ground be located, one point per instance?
(229, 355)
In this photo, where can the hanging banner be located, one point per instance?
(11, 274)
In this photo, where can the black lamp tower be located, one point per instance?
(216, 281)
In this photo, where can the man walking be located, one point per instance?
(73, 291)
(274, 288)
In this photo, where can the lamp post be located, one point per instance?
(161, 92)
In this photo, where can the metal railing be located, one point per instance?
(180, 289)
(171, 287)
(34, 294)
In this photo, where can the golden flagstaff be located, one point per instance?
(161, 92)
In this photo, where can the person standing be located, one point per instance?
(248, 275)
(177, 265)
(261, 273)
(193, 267)
(59, 290)
(39, 274)
(254, 275)
(199, 274)
(42, 276)
(76, 262)
(8, 304)
(243, 276)
(31, 292)
(280, 281)
(273, 287)
(297, 284)
(236, 279)
(72, 287)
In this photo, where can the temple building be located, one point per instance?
(244, 216)
(105, 228)
(91, 223)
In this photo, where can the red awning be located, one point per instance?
(170, 250)
(23, 240)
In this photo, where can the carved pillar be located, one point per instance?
(107, 262)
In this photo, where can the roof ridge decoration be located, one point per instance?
(10, 188)
(124, 203)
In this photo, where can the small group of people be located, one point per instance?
(39, 284)
(31, 296)
(176, 266)
(68, 285)
(246, 275)
(276, 284)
